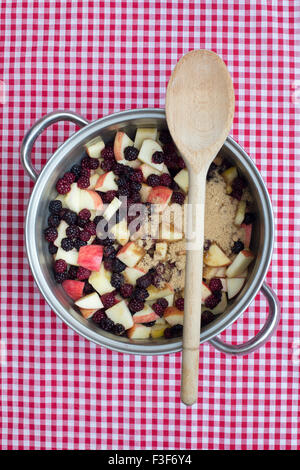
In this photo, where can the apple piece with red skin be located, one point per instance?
(240, 263)
(130, 254)
(156, 293)
(106, 182)
(94, 147)
(88, 312)
(205, 292)
(90, 301)
(146, 315)
(120, 143)
(248, 233)
(173, 316)
(93, 180)
(91, 200)
(138, 331)
(120, 313)
(73, 288)
(160, 196)
(90, 257)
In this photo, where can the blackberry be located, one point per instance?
(135, 197)
(237, 247)
(106, 324)
(81, 222)
(168, 333)
(85, 172)
(153, 180)
(90, 227)
(108, 264)
(163, 303)
(158, 157)
(78, 243)
(206, 317)
(97, 317)
(124, 191)
(88, 288)
(70, 217)
(108, 299)
(60, 266)
(83, 182)
(94, 163)
(52, 248)
(84, 235)
(84, 214)
(67, 244)
(55, 207)
(117, 279)
(107, 165)
(131, 153)
(237, 194)
(158, 309)
(178, 197)
(73, 231)
(165, 180)
(50, 234)
(69, 177)
(83, 273)
(72, 273)
(109, 196)
(109, 251)
(60, 277)
(117, 168)
(180, 163)
(135, 305)
(179, 303)
(126, 290)
(76, 170)
(140, 293)
(137, 176)
(144, 281)
(63, 186)
(53, 220)
(98, 219)
(215, 285)
(176, 331)
(249, 218)
(118, 266)
(134, 186)
(174, 186)
(85, 162)
(211, 301)
(119, 329)
(149, 323)
(239, 184)
(108, 152)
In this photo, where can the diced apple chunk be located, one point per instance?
(148, 170)
(73, 288)
(87, 312)
(131, 275)
(70, 257)
(216, 257)
(144, 316)
(106, 182)
(230, 174)
(240, 263)
(248, 233)
(120, 313)
(90, 301)
(173, 316)
(112, 208)
(139, 331)
(157, 331)
(205, 292)
(130, 254)
(120, 143)
(234, 285)
(160, 196)
(182, 179)
(95, 147)
(161, 249)
(148, 148)
(73, 198)
(143, 133)
(101, 281)
(90, 257)
(240, 213)
(90, 199)
(156, 293)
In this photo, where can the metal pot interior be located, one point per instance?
(40, 259)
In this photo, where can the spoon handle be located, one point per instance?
(192, 293)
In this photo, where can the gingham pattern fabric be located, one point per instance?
(58, 391)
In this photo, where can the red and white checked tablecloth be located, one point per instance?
(58, 391)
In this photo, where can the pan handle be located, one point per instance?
(262, 336)
(37, 129)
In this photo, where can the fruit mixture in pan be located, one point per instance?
(124, 267)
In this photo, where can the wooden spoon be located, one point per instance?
(199, 110)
